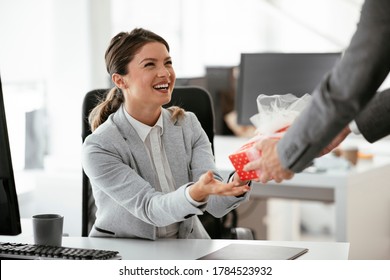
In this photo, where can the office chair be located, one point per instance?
(190, 98)
(91, 99)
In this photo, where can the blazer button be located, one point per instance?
(188, 216)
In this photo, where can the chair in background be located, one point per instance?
(190, 98)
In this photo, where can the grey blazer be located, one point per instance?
(345, 91)
(122, 178)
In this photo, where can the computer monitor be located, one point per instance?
(192, 81)
(9, 207)
(221, 84)
(278, 73)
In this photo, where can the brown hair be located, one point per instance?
(120, 52)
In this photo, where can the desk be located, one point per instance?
(188, 249)
(361, 196)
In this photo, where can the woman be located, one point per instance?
(152, 169)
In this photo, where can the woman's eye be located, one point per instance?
(169, 62)
(149, 64)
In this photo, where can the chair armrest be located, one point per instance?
(242, 233)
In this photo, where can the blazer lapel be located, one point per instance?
(175, 149)
(138, 156)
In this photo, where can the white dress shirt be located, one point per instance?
(354, 128)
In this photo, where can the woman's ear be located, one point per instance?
(118, 81)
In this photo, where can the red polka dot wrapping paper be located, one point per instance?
(248, 153)
(240, 158)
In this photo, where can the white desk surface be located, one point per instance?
(188, 249)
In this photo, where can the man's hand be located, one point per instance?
(269, 165)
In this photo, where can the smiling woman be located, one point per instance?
(151, 169)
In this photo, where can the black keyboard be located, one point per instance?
(40, 252)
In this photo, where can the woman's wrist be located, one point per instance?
(191, 200)
(197, 194)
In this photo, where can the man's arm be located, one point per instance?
(374, 121)
(339, 98)
(344, 92)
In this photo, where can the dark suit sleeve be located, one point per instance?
(374, 121)
(344, 92)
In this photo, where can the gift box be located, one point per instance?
(276, 114)
(247, 153)
(241, 157)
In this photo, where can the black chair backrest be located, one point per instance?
(194, 99)
(91, 99)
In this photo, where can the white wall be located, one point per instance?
(58, 44)
(204, 32)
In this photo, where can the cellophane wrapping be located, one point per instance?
(275, 115)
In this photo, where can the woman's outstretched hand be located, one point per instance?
(208, 185)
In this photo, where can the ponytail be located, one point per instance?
(176, 112)
(106, 107)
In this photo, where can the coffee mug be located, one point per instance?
(350, 154)
(47, 229)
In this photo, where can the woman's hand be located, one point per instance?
(208, 185)
(238, 182)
